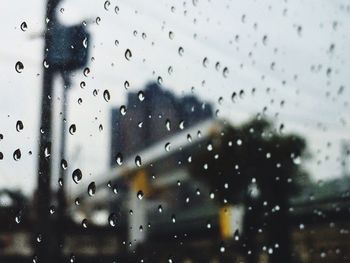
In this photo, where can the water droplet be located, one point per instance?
(19, 126)
(122, 110)
(106, 5)
(173, 219)
(128, 54)
(211, 195)
(52, 210)
(64, 164)
(119, 159)
(112, 220)
(171, 34)
(205, 62)
(84, 223)
(19, 66)
(239, 142)
(160, 209)
(72, 129)
(47, 151)
(217, 66)
(181, 125)
(141, 96)
(86, 71)
(77, 175)
(225, 72)
(159, 80)
(92, 189)
(167, 124)
(126, 84)
(17, 154)
(140, 195)
(46, 64)
(106, 95)
(77, 201)
(116, 9)
(222, 249)
(168, 147)
(24, 26)
(18, 217)
(98, 20)
(39, 238)
(264, 40)
(85, 43)
(116, 42)
(82, 84)
(181, 51)
(170, 70)
(138, 161)
(60, 182)
(236, 235)
(209, 147)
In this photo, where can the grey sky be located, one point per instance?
(299, 35)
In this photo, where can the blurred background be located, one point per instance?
(174, 131)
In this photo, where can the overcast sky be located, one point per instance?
(281, 48)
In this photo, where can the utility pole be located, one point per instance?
(44, 224)
(66, 49)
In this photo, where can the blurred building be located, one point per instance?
(152, 115)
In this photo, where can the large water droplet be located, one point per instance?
(225, 72)
(46, 64)
(92, 189)
(64, 164)
(116, 9)
(181, 51)
(140, 195)
(17, 154)
(205, 62)
(24, 26)
(168, 147)
(72, 129)
(86, 71)
(126, 84)
(19, 67)
(128, 54)
(106, 95)
(84, 223)
(167, 124)
(119, 158)
(170, 70)
(19, 126)
(106, 5)
(141, 96)
(112, 220)
(122, 110)
(138, 161)
(77, 175)
(52, 210)
(171, 34)
(182, 125)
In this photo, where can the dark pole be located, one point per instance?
(44, 227)
(61, 198)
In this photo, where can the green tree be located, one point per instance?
(258, 166)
